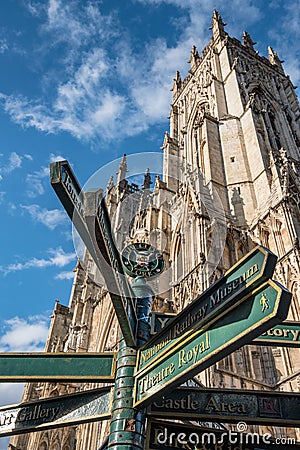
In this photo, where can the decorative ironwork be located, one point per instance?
(141, 259)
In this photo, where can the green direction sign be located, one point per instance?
(94, 229)
(256, 267)
(192, 353)
(61, 411)
(229, 405)
(57, 366)
(167, 435)
(286, 334)
(108, 257)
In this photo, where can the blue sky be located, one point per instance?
(88, 81)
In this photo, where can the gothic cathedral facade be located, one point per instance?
(231, 180)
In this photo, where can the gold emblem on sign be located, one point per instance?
(264, 303)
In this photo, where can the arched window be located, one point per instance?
(178, 260)
(294, 312)
(276, 134)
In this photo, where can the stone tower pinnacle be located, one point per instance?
(194, 58)
(274, 59)
(147, 180)
(217, 26)
(177, 82)
(122, 169)
(247, 41)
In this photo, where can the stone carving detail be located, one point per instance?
(194, 57)
(56, 344)
(76, 338)
(112, 337)
(247, 41)
(189, 287)
(289, 174)
(177, 83)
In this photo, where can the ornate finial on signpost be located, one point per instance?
(142, 260)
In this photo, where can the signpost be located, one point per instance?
(256, 267)
(229, 405)
(192, 353)
(65, 410)
(232, 312)
(167, 435)
(17, 367)
(159, 320)
(93, 224)
(90, 218)
(99, 228)
(69, 192)
(286, 334)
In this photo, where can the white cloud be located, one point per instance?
(285, 36)
(2, 195)
(35, 182)
(11, 207)
(55, 158)
(84, 82)
(50, 218)
(84, 108)
(10, 394)
(107, 85)
(57, 258)
(22, 335)
(81, 106)
(29, 113)
(14, 162)
(65, 275)
(3, 45)
(74, 22)
(106, 113)
(151, 100)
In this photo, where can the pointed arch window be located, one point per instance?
(43, 446)
(178, 258)
(275, 133)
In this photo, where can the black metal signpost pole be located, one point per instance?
(127, 428)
